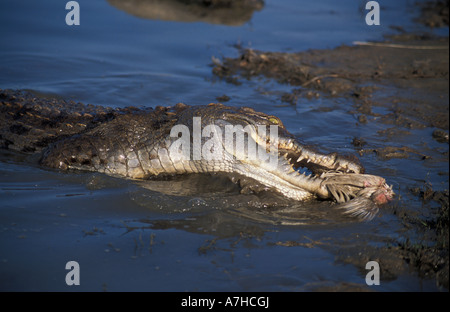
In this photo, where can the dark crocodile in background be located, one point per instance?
(135, 143)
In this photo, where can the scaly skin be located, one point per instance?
(136, 143)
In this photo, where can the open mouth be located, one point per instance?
(311, 163)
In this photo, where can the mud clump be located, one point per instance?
(361, 74)
(440, 136)
(434, 13)
(430, 260)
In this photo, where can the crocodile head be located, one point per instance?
(286, 165)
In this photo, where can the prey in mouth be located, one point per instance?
(301, 173)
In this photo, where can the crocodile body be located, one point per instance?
(139, 144)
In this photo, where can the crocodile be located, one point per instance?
(139, 143)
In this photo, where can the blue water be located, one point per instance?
(115, 59)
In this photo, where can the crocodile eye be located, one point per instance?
(274, 120)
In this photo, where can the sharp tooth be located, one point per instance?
(333, 156)
(309, 160)
(300, 158)
(287, 168)
(285, 155)
(290, 145)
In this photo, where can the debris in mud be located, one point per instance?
(417, 83)
(440, 136)
(94, 231)
(358, 142)
(223, 98)
(340, 71)
(310, 244)
(290, 98)
(390, 152)
(430, 255)
(434, 13)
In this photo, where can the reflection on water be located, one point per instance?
(218, 196)
(227, 12)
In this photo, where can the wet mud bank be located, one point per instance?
(360, 73)
(398, 88)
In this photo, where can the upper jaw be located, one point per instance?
(300, 156)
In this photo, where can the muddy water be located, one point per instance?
(128, 237)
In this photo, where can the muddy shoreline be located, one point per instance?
(402, 83)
